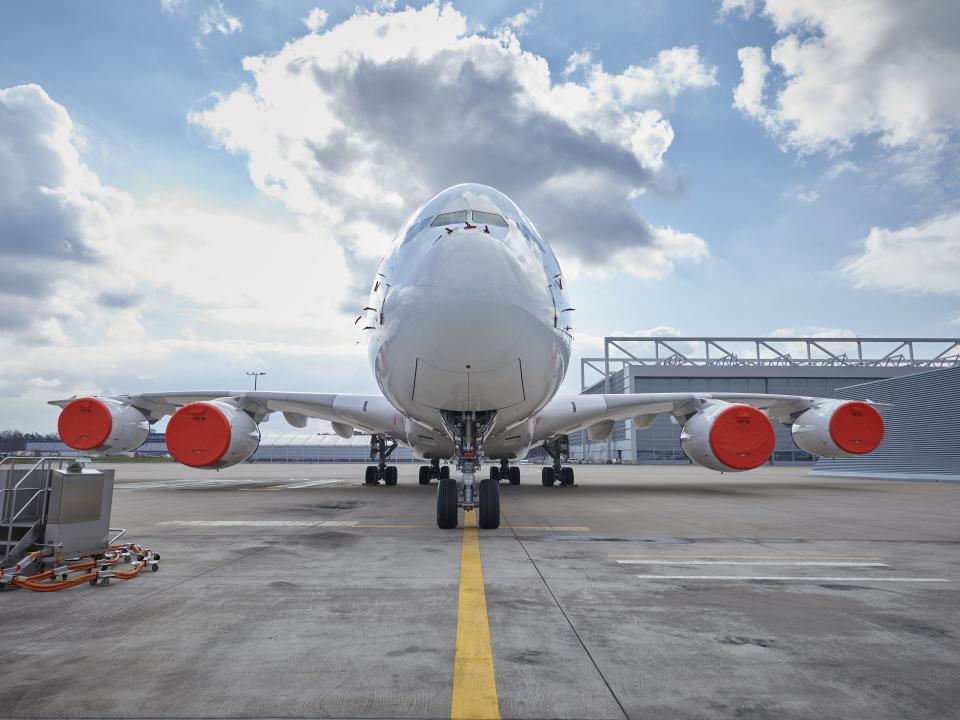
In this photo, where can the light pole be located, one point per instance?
(256, 374)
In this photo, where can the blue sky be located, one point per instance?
(820, 200)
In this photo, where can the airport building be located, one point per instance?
(288, 447)
(788, 365)
(922, 440)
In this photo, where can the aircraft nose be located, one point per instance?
(474, 301)
(473, 260)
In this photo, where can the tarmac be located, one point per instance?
(294, 591)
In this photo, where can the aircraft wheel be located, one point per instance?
(390, 475)
(514, 475)
(489, 504)
(495, 473)
(444, 472)
(447, 503)
(566, 476)
(547, 477)
(371, 477)
(425, 473)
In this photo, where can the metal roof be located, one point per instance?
(665, 351)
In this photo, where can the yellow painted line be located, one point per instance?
(747, 557)
(474, 682)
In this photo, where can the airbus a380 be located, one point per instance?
(469, 327)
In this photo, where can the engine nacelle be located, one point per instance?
(212, 434)
(728, 437)
(102, 424)
(838, 428)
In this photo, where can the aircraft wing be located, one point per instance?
(570, 413)
(371, 413)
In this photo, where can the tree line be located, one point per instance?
(13, 440)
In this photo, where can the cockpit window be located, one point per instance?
(450, 218)
(415, 230)
(486, 218)
(530, 236)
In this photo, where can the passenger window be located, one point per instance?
(485, 218)
(450, 218)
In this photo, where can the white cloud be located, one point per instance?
(845, 70)
(657, 259)
(316, 19)
(355, 127)
(98, 290)
(520, 21)
(172, 6)
(839, 168)
(802, 194)
(748, 95)
(215, 18)
(577, 60)
(924, 258)
(744, 7)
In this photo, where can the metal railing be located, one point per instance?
(764, 352)
(10, 511)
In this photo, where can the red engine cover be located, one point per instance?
(742, 438)
(198, 435)
(856, 428)
(85, 424)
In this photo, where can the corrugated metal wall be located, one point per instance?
(922, 439)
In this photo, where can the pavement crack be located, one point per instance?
(566, 618)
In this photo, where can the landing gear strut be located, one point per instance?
(381, 471)
(505, 472)
(468, 430)
(559, 449)
(433, 471)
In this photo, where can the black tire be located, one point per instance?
(566, 476)
(425, 474)
(514, 475)
(444, 472)
(547, 477)
(390, 475)
(489, 492)
(447, 504)
(495, 473)
(371, 476)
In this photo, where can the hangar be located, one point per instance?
(790, 365)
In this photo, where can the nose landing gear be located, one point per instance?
(468, 429)
(381, 471)
(559, 449)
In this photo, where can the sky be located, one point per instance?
(194, 189)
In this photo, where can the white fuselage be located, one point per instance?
(466, 315)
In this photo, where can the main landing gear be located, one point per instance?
(559, 449)
(381, 471)
(505, 472)
(433, 471)
(468, 429)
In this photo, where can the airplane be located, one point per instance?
(469, 329)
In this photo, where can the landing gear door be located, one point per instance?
(497, 389)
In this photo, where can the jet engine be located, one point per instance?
(838, 428)
(728, 437)
(102, 424)
(211, 434)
